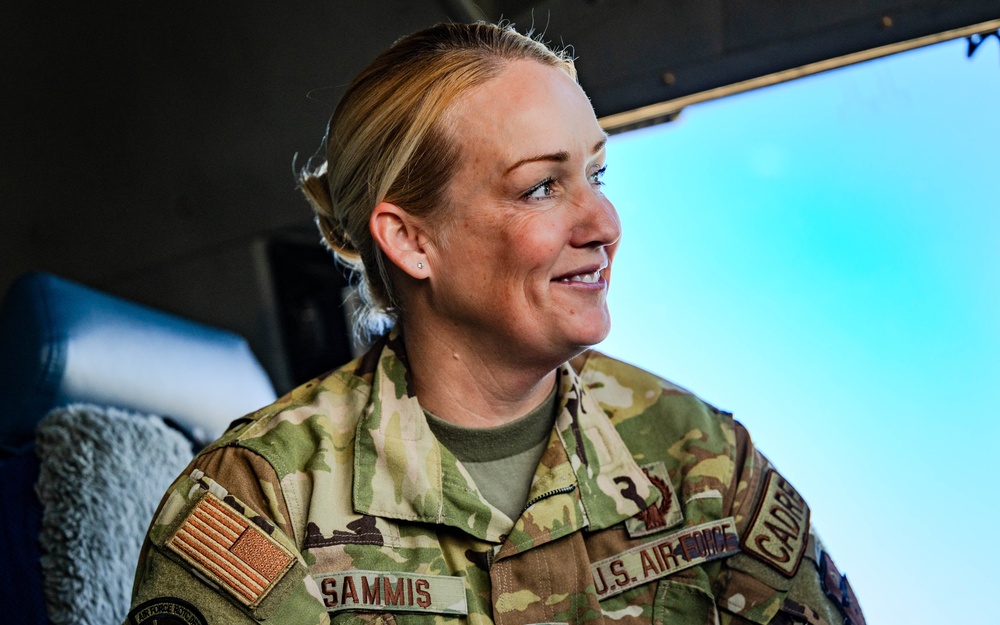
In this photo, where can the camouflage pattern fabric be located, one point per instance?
(338, 505)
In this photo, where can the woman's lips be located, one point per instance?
(590, 277)
(586, 278)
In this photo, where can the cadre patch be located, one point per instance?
(659, 516)
(166, 611)
(392, 592)
(230, 550)
(779, 531)
(661, 557)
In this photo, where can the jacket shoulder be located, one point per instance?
(315, 419)
(664, 425)
(625, 391)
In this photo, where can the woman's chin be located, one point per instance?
(585, 332)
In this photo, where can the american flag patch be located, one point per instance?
(230, 550)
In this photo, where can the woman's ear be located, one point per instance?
(402, 238)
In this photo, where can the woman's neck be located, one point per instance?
(467, 385)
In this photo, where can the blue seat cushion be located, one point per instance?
(20, 551)
(62, 343)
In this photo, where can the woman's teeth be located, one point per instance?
(588, 278)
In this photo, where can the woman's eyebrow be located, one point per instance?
(557, 157)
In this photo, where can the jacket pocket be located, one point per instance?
(632, 607)
(679, 603)
(349, 617)
(361, 618)
(672, 601)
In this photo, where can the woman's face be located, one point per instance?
(523, 263)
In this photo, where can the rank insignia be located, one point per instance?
(663, 514)
(230, 550)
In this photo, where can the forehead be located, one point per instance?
(528, 109)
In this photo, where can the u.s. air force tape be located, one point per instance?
(399, 592)
(688, 547)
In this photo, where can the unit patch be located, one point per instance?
(689, 547)
(779, 531)
(662, 515)
(400, 592)
(230, 550)
(165, 611)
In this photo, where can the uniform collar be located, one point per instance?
(586, 478)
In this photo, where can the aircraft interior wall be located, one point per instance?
(150, 149)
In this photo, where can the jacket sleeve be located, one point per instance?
(220, 550)
(783, 574)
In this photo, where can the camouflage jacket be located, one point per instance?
(338, 505)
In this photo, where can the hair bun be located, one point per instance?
(316, 188)
(336, 238)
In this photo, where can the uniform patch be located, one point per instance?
(659, 516)
(400, 592)
(362, 531)
(794, 613)
(779, 531)
(230, 550)
(689, 547)
(839, 590)
(165, 611)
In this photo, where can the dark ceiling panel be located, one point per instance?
(758, 23)
(634, 53)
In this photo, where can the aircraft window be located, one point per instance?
(822, 258)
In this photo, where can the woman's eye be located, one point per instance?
(540, 191)
(597, 178)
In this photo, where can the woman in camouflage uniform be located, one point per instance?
(479, 465)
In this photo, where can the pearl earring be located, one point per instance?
(420, 265)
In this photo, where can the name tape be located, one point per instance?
(779, 532)
(683, 549)
(401, 592)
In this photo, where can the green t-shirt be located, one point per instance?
(502, 460)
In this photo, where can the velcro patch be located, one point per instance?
(688, 547)
(779, 531)
(662, 515)
(392, 592)
(165, 611)
(839, 590)
(230, 550)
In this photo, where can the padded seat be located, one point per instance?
(130, 393)
(62, 342)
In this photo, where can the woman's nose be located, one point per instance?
(599, 224)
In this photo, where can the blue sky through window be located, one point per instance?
(822, 258)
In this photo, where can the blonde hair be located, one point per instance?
(386, 142)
